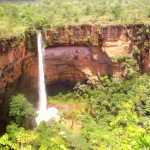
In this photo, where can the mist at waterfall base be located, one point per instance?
(44, 113)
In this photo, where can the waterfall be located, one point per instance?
(41, 78)
(44, 114)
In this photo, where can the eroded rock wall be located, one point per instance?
(106, 44)
(76, 53)
(11, 64)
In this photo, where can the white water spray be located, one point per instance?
(43, 113)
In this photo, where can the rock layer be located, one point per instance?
(76, 53)
(77, 64)
(11, 65)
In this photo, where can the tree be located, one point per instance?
(5, 144)
(117, 11)
(75, 117)
(49, 136)
(17, 138)
(21, 110)
(143, 142)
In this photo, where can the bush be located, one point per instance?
(117, 11)
(20, 109)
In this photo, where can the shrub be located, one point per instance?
(117, 11)
(20, 109)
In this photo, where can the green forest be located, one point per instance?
(16, 18)
(114, 113)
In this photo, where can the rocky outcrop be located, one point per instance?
(77, 54)
(10, 64)
(77, 64)
(105, 45)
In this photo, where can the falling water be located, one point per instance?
(43, 113)
(41, 80)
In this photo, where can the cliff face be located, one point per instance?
(78, 53)
(10, 64)
(104, 46)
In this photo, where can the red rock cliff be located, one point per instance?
(78, 53)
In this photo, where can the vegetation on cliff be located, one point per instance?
(116, 116)
(16, 18)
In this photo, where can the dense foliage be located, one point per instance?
(116, 116)
(118, 113)
(20, 109)
(16, 18)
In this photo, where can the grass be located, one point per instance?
(54, 100)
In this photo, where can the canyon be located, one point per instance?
(81, 53)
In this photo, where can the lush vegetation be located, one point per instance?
(115, 113)
(16, 18)
(116, 116)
